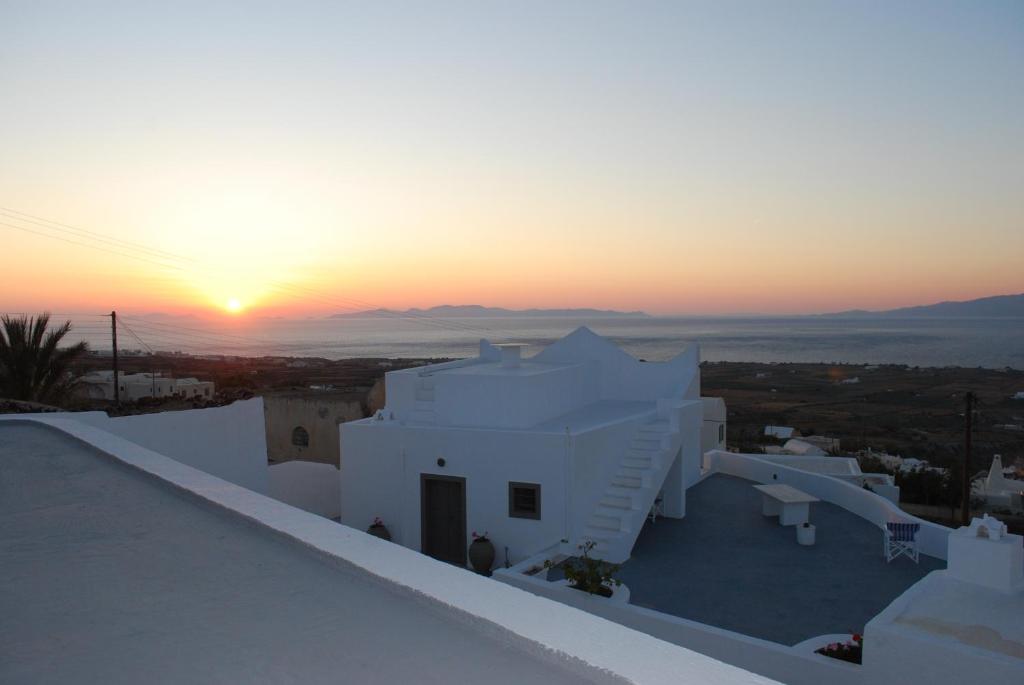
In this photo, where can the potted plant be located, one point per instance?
(592, 576)
(481, 553)
(805, 533)
(378, 529)
(852, 650)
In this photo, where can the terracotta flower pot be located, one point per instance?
(379, 530)
(481, 555)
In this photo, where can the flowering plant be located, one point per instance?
(590, 575)
(851, 650)
(480, 538)
(377, 521)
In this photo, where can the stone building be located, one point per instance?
(303, 424)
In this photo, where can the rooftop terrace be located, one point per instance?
(727, 565)
(111, 575)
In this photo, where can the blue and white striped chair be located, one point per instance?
(901, 538)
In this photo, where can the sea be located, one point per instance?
(965, 342)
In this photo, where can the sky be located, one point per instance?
(305, 158)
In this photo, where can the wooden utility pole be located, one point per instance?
(117, 381)
(965, 495)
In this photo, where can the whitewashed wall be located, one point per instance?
(228, 442)
(932, 540)
(308, 485)
(935, 646)
(380, 476)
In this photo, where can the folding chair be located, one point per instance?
(901, 538)
(658, 508)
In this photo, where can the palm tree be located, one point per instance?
(32, 367)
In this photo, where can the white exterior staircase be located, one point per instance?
(620, 513)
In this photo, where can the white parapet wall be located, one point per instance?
(228, 442)
(932, 538)
(308, 485)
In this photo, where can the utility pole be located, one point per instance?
(965, 495)
(117, 381)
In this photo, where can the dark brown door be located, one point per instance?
(443, 518)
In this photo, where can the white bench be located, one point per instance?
(791, 505)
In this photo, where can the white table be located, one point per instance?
(791, 505)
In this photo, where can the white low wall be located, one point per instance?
(932, 539)
(779, 662)
(308, 485)
(229, 442)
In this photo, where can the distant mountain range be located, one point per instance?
(476, 310)
(997, 306)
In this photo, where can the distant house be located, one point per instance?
(802, 448)
(998, 491)
(134, 386)
(780, 432)
(822, 442)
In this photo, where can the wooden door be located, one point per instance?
(443, 518)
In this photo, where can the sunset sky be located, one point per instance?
(700, 158)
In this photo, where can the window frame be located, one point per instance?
(513, 512)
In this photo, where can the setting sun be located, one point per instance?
(233, 305)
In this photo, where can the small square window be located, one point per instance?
(524, 500)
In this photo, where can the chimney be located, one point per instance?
(510, 356)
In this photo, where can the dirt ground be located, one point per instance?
(914, 412)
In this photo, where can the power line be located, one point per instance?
(150, 255)
(134, 335)
(85, 233)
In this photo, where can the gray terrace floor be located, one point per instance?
(727, 565)
(111, 576)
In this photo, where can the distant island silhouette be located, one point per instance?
(471, 310)
(995, 306)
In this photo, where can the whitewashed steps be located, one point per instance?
(622, 509)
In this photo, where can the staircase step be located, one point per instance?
(628, 493)
(655, 427)
(423, 417)
(627, 482)
(646, 443)
(617, 502)
(426, 383)
(613, 512)
(424, 395)
(419, 405)
(638, 462)
(612, 523)
(601, 537)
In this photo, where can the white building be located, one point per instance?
(576, 442)
(780, 432)
(134, 386)
(998, 491)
